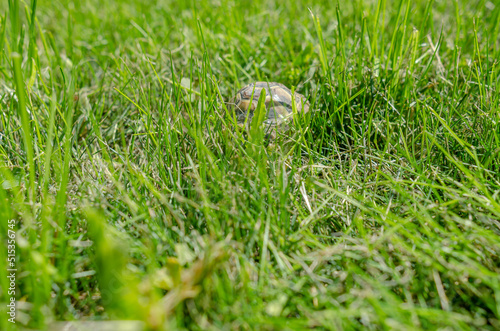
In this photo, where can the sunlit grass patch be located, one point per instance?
(136, 198)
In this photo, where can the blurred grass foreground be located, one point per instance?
(128, 201)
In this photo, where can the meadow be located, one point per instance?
(132, 195)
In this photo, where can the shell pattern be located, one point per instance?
(278, 103)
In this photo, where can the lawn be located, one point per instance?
(127, 192)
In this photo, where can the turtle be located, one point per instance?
(279, 105)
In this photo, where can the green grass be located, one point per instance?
(134, 198)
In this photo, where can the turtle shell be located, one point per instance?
(278, 103)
